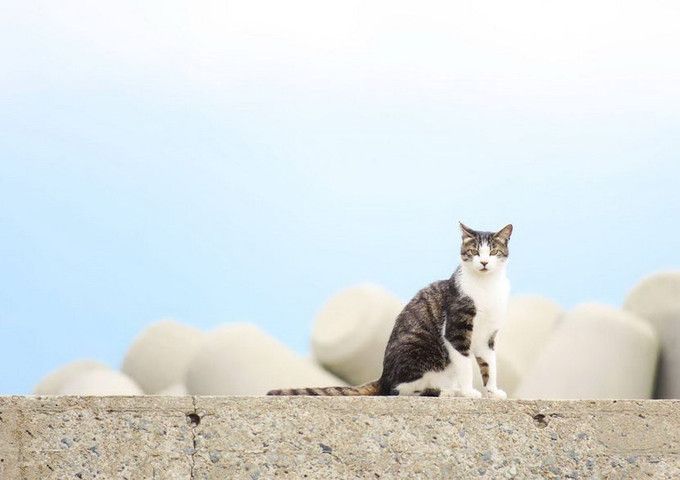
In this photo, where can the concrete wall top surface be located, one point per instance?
(311, 437)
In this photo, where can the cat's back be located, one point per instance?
(430, 299)
(425, 310)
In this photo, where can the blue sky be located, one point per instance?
(242, 161)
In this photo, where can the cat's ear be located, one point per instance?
(466, 231)
(504, 233)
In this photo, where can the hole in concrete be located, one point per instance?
(325, 448)
(540, 421)
(194, 419)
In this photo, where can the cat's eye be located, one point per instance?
(495, 251)
(472, 253)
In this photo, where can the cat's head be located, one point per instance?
(484, 252)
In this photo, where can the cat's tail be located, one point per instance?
(371, 388)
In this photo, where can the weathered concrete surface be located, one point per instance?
(258, 438)
(95, 437)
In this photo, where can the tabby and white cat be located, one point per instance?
(443, 327)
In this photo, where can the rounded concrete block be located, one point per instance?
(530, 323)
(52, 383)
(240, 359)
(595, 352)
(101, 383)
(351, 331)
(176, 390)
(159, 356)
(657, 300)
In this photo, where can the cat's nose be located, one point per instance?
(484, 264)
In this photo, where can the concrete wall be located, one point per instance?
(258, 438)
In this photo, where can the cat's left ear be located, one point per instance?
(466, 231)
(504, 233)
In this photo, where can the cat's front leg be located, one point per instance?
(463, 375)
(486, 360)
(458, 336)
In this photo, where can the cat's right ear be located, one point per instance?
(504, 233)
(466, 231)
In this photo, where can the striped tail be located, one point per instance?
(371, 388)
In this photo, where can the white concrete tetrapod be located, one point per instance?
(101, 382)
(241, 359)
(597, 351)
(351, 331)
(529, 324)
(52, 383)
(159, 356)
(176, 390)
(657, 300)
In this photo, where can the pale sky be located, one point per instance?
(242, 161)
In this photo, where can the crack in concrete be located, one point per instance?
(194, 421)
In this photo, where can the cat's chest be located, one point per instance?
(490, 299)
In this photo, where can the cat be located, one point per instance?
(435, 337)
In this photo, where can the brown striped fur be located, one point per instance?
(366, 389)
(492, 340)
(483, 369)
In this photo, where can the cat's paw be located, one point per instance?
(495, 393)
(470, 393)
